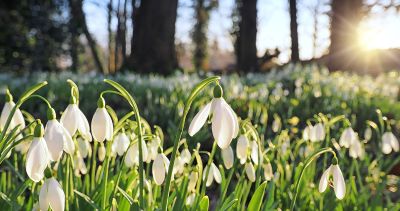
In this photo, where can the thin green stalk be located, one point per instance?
(196, 90)
(93, 167)
(228, 181)
(105, 178)
(125, 94)
(308, 161)
(67, 185)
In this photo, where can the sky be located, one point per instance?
(380, 30)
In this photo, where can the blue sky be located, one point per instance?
(380, 30)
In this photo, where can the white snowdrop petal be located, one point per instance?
(339, 184)
(43, 199)
(37, 159)
(254, 152)
(241, 147)
(394, 143)
(193, 177)
(68, 119)
(250, 172)
(323, 183)
(386, 144)
(83, 125)
(69, 146)
(99, 124)
(186, 155)
(235, 120)
(56, 196)
(199, 120)
(222, 125)
(216, 173)
(158, 169)
(54, 139)
(101, 152)
(227, 156)
(268, 171)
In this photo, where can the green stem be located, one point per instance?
(93, 167)
(225, 189)
(125, 94)
(105, 178)
(308, 161)
(196, 90)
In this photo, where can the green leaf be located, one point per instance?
(257, 199)
(230, 205)
(204, 203)
(87, 199)
(126, 195)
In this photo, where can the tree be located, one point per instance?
(76, 8)
(245, 33)
(293, 30)
(345, 18)
(153, 46)
(199, 32)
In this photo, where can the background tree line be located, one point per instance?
(52, 35)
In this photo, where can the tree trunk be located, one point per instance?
(74, 43)
(293, 30)
(118, 37)
(110, 50)
(77, 11)
(246, 37)
(154, 37)
(123, 31)
(346, 16)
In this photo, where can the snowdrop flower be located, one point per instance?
(368, 134)
(132, 156)
(101, 152)
(51, 196)
(57, 137)
(186, 155)
(17, 119)
(179, 166)
(193, 177)
(356, 150)
(276, 124)
(152, 149)
(190, 199)
(79, 164)
(225, 126)
(102, 125)
(306, 132)
(254, 152)
(347, 137)
(74, 120)
(38, 157)
(160, 168)
(120, 144)
(339, 185)
(227, 157)
(84, 147)
(213, 174)
(250, 172)
(241, 148)
(268, 174)
(317, 133)
(389, 143)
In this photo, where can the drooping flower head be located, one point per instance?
(51, 196)
(389, 143)
(74, 120)
(17, 119)
(224, 123)
(347, 137)
(102, 125)
(339, 185)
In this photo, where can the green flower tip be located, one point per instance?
(47, 173)
(101, 103)
(9, 97)
(39, 130)
(335, 160)
(72, 100)
(218, 92)
(51, 114)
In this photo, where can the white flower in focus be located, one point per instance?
(227, 157)
(250, 172)
(74, 120)
(389, 143)
(268, 174)
(254, 152)
(79, 165)
(38, 157)
(57, 137)
(224, 122)
(339, 185)
(241, 148)
(132, 156)
(347, 137)
(101, 152)
(102, 125)
(51, 196)
(120, 144)
(17, 119)
(213, 174)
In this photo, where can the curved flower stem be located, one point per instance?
(196, 90)
(125, 94)
(308, 161)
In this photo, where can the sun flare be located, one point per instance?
(373, 36)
